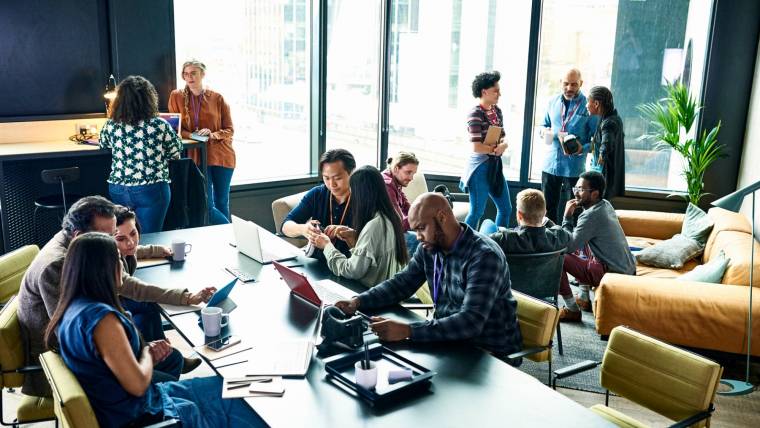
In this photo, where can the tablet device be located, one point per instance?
(221, 295)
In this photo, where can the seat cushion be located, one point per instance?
(34, 408)
(11, 347)
(617, 418)
(538, 321)
(671, 253)
(13, 266)
(697, 225)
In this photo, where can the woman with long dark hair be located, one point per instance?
(102, 347)
(141, 146)
(608, 142)
(206, 114)
(378, 248)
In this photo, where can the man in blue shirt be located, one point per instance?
(566, 117)
(468, 278)
(327, 205)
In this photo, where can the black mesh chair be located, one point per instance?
(538, 275)
(54, 203)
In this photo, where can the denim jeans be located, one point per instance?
(411, 242)
(147, 319)
(488, 227)
(218, 180)
(149, 202)
(480, 189)
(198, 402)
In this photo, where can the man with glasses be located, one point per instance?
(566, 119)
(598, 233)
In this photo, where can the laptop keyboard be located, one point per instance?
(241, 274)
(326, 295)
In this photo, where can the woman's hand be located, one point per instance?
(159, 350)
(165, 251)
(319, 240)
(500, 149)
(203, 132)
(600, 162)
(347, 235)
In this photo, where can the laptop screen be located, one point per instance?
(173, 119)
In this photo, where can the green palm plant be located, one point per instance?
(672, 118)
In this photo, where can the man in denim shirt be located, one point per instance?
(468, 278)
(566, 116)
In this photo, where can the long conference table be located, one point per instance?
(471, 387)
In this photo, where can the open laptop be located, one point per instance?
(284, 357)
(173, 119)
(320, 293)
(260, 244)
(221, 298)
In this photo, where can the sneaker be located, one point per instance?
(585, 305)
(190, 364)
(566, 315)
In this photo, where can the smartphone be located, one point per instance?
(223, 343)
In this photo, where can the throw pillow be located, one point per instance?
(697, 225)
(709, 272)
(670, 254)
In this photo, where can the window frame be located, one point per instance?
(318, 85)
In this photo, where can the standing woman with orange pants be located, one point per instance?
(205, 113)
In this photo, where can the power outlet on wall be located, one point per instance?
(85, 128)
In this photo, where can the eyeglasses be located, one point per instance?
(193, 73)
(581, 190)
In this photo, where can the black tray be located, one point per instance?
(340, 369)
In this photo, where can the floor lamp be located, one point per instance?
(733, 202)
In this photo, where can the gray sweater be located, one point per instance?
(38, 298)
(599, 226)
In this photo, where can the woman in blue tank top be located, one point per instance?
(102, 347)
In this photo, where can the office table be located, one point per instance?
(470, 387)
(20, 183)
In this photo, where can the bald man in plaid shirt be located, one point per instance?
(468, 278)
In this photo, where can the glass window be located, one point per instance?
(353, 58)
(257, 57)
(437, 49)
(632, 48)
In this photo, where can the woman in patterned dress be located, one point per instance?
(141, 146)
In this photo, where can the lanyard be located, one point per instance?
(437, 275)
(345, 210)
(565, 118)
(196, 108)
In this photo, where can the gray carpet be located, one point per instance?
(580, 342)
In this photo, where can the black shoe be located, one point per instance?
(190, 364)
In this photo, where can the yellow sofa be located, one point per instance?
(694, 314)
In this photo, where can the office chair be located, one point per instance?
(538, 275)
(675, 383)
(538, 320)
(12, 370)
(55, 202)
(70, 401)
(12, 268)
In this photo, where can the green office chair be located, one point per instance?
(538, 320)
(12, 268)
(13, 369)
(71, 404)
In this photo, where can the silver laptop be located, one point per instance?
(260, 244)
(284, 357)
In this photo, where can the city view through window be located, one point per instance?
(259, 60)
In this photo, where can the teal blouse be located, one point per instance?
(140, 154)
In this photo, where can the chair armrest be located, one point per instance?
(573, 370)
(28, 369)
(526, 352)
(691, 420)
(166, 423)
(650, 224)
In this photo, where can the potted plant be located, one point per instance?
(672, 118)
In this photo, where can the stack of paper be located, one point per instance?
(253, 386)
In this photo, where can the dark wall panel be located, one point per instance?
(53, 57)
(142, 34)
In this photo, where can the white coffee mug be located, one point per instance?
(180, 248)
(548, 136)
(366, 378)
(213, 320)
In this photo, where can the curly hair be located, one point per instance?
(136, 100)
(484, 81)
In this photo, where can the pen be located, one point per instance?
(231, 364)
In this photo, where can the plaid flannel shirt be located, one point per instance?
(475, 300)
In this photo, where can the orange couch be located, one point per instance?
(694, 314)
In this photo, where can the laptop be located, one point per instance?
(320, 293)
(284, 357)
(221, 298)
(249, 238)
(173, 119)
